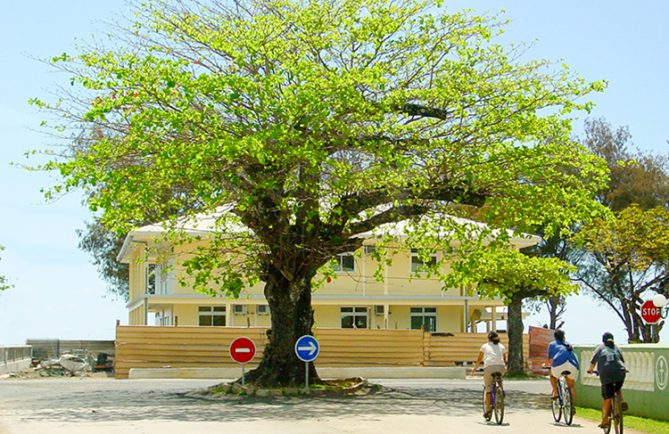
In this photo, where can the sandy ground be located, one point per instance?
(107, 406)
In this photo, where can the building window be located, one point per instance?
(344, 263)
(418, 264)
(211, 316)
(424, 318)
(354, 317)
(262, 309)
(150, 278)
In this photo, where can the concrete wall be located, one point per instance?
(14, 359)
(646, 387)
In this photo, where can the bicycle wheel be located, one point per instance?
(567, 402)
(556, 406)
(617, 415)
(498, 407)
(489, 416)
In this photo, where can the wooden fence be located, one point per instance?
(454, 349)
(199, 347)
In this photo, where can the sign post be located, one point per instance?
(242, 350)
(649, 312)
(307, 349)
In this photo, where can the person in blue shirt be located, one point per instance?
(561, 357)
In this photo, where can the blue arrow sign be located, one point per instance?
(307, 348)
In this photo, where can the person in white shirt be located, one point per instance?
(493, 356)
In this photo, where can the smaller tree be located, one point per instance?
(636, 177)
(517, 277)
(557, 245)
(104, 246)
(630, 257)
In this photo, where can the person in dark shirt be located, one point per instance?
(610, 364)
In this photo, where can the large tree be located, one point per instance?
(306, 124)
(630, 254)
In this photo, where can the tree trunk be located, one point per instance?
(555, 310)
(515, 321)
(291, 317)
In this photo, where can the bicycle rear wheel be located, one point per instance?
(489, 416)
(556, 406)
(617, 412)
(567, 403)
(498, 407)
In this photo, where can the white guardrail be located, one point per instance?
(640, 364)
(15, 358)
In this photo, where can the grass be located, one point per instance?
(641, 424)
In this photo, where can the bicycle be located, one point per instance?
(496, 399)
(564, 404)
(616, 413)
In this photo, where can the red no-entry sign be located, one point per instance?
(242, 350)
(649, 312)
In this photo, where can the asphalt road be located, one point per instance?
(107, 406)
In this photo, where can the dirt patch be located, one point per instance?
(41, 373)
(329, 388)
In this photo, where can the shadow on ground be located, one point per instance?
(123, 405)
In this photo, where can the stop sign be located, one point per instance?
(242, 350)
(649, 312)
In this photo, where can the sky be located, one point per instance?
(57, 292)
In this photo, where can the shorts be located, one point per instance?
(610, 389)
(487, 375)
(556, 371)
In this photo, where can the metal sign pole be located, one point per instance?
(306, 376)
(243, 373)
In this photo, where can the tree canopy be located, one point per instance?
(516, 277)
(624, 256)
(314, 122)
(631, 259)
(636, 177)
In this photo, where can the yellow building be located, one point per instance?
(355, 298)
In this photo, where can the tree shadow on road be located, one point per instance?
(119, 406)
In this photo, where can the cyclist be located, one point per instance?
(493, 355)
(560, 358)
(611, 367)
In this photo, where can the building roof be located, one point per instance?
(203, 224)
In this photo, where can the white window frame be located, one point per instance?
(338, 266)
(262, 309)
(240, 309)
(423, 313)
(354, 312)
(212, 311)
(415, 262)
